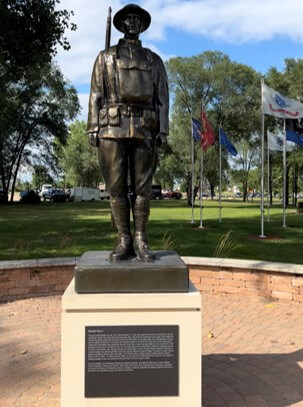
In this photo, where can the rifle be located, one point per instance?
(108, 28)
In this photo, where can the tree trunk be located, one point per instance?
(112, 221)
(15, 173)
(244, 190)
(5, 193)
(189, 192)
(4, 187)
(212, 191)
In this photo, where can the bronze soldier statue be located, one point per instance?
(127, 121)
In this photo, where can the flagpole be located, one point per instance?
(220, 175)
(201, 175)
(284, 176)
(201, 188)
(193, 175)
(268, 180)
(262, 173)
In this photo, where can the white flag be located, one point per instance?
(275, 142)
(275, 104)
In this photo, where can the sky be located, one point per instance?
(258, 33)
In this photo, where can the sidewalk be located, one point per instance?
(252, 352)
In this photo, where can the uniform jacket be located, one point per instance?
(129, 94)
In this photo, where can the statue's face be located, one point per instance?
(132, 25)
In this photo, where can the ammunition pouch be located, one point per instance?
(103, 119)
(116, 115)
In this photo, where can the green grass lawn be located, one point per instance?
(56, 230)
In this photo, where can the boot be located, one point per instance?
(140, 215)
(121, 212)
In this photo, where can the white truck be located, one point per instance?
(83, 194)
(45, 189)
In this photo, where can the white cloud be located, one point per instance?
(232, 21)
(87, 41)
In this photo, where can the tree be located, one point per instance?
(230, 93)
(290, 83)
(253, 182)
(247, 159)
(175, 163)
(42, 108)
(30, 33)
(78, 159)
(41, 176)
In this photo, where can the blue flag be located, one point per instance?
(226, 143)
(196, 129)
(295, 137)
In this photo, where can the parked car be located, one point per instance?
(171, 195)
(238, 195)
(55, 195)
(29, 196)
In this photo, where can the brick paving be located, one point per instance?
(252, 352)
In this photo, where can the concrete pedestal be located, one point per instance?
(96, 314)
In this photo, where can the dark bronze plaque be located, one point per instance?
(131, 361)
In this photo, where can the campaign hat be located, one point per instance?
(132, 9)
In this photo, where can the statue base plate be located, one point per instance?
(94, 273)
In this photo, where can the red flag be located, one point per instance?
(208, 135)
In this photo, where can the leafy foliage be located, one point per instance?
(247, 159)
(35, 98)
(41, 176)
(30, 32)
(230, 93)
(78, 159)
(290, 83)
(41, 110)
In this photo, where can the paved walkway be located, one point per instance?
(252, 352)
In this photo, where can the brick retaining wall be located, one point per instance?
(249, 282)
(34, 278)
(274, 281)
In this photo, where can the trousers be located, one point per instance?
(127, 162)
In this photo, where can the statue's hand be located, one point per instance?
(161, 140)
(93, 139)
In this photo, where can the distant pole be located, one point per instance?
(220, 175)
(262, 176)
(201, 172)
(201, 188)
(192, 174)
(284, 177)
(268, 180)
